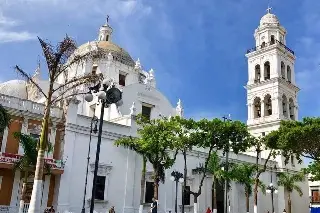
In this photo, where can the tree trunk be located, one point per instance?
(289, 202)
(247, 202)
(195, 203)
(184, 178)
(35, 202)
(214, 190)
(156, 183)
(23, 192)
(255, 207)
(143, 183)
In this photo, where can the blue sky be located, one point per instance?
(196, 47)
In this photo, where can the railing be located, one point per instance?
(8, 209)
(275, 42)
(10, 158)
(26, 207)
(20, 104)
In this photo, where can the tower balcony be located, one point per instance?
(274, 43)
(7, 161)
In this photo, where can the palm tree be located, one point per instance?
(288, 181)
(4, 119)
(60, 60)
(244, 175)
(215, 167)
(27, 162)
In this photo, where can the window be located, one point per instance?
(267, 70)
(146, 111)
(186, 198)
(284, 106)
(100, 187)
(149, 192)
(315, 196)
(268, 105)
(122, 80)
(94, 69)
(107, 38)
(257, 74)
(291, 109)
(257, 107)
(35, 136)
(283, 67)
(263, 134)
(272, 40)
(289, 74)
(263, 44)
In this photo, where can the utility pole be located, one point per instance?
(226, 119)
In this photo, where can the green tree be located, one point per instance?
(288, 181)
(300, 138)
(244, 174)
(4, 119)
(156, 139)
(60, 60)
(219, 135)
(26, 164)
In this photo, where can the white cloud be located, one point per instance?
(11, 36)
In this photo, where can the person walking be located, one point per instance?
(111, 210)
(154, 206)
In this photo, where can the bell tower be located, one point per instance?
(271, 87)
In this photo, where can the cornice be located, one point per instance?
(273, 80)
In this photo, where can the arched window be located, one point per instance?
(285, 106)
(257, 107)
(289, 73)
(263, 44)
(267, 105)
(257, 74)
(291, 109)
(272, 40)
(283, 70)
(267, 70)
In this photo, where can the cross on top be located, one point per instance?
(108, 19)
(269, 9)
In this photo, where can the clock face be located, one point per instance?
(114, 95)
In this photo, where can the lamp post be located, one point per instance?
(271, 189)
(225, 119)
(177, 177)
(93, 128)
(107, 94)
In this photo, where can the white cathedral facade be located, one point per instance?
(271, 97)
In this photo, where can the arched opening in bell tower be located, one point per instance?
(267, 105)
(263, 44)
(257, 107)
(291, 109)
(285, 106)
(267, 70)
(289, 73)
(283, 70)
(257, 74)
(272, 41)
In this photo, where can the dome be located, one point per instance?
(268, 19)
(118, 53)
(15, 88)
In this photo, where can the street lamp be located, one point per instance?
(107, 94)
(225, 119)
(177, 177)
(94, 129)
(271, 189)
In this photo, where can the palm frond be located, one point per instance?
(28, 78)
(298, 189)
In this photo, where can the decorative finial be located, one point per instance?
(107, 22)
(138, 65)
(179, 108)
(110, 57)
(269, 9)
(133, 109)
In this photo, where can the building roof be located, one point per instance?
(269, 19)
(15, 88)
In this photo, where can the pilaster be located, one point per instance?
(262, 108)
(4, 140)
(45, 193)
(15, 190)
(128, 205)
(24, 130)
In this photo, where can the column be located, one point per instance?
(280, 108)
(128, 204)
(288, 109)
(52, 139)
(15, 190)
(262, 108)
(4, 140)
(24, 130)
(45, 193)
(250, 114)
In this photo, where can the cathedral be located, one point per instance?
(271, 97)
